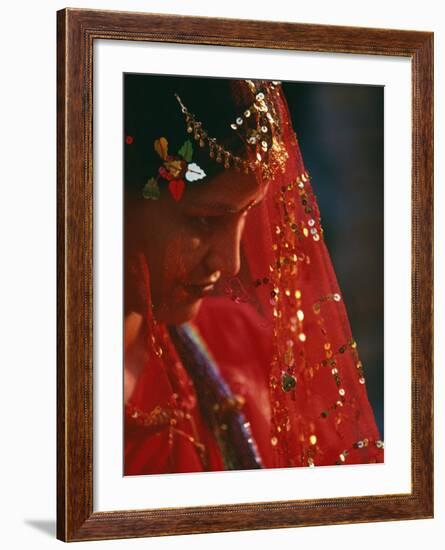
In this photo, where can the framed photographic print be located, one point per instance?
(244, 275)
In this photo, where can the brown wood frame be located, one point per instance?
(77, 30)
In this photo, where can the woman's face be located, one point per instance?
(192, 243)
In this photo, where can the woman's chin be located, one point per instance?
(177, 314)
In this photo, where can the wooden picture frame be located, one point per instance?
(77, 31)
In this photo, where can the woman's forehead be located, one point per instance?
(228, 192)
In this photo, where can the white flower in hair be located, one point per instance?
(194, 172)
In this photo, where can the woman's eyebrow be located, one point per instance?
(219, 207)
(226, 208)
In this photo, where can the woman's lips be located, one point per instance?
(199, 290)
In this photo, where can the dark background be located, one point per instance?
(340, 131)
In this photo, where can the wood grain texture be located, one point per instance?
(76, 32)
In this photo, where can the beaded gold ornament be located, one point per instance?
(258, 127)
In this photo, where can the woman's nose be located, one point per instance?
(224, 250)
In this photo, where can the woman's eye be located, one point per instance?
(202, 222)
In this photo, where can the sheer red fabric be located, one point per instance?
(320, 411)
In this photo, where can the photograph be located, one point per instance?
(253, 274)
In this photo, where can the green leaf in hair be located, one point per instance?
(186, 151)
(151, 190)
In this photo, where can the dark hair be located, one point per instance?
(151, 111)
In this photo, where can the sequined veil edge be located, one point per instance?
(320, 410)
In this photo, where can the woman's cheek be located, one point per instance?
(181, 257)
(195, 243)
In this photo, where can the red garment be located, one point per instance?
(241, 346)
(163, 430)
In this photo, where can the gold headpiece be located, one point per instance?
(258, 127)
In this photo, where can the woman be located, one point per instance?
(238, 352)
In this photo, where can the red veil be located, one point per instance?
(319, 409)
(279, 337)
